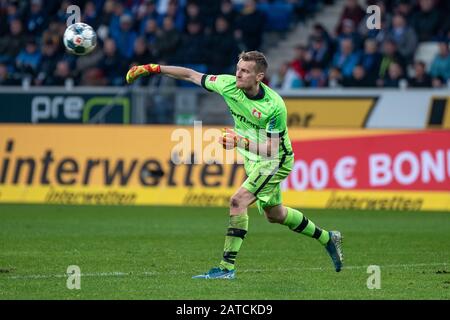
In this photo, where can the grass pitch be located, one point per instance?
(152, 252)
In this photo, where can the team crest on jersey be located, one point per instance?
(256, 113)
(213, 78)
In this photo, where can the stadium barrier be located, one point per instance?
(117, 165)
(331, 108)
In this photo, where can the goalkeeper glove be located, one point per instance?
(144, 70)
(230, 140)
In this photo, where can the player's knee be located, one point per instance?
(235, 202)
(274, 215)
(272, 219)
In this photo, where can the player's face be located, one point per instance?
(246, 75)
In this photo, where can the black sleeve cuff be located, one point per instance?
(204, 82)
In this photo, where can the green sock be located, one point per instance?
(237, 230)
(297, 222)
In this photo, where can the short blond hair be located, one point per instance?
(256, 56)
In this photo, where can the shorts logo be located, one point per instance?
(256, 113)
(213, 78)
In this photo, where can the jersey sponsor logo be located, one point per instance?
(243, 119)
(256, 113)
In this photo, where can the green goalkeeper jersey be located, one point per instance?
(255, 118)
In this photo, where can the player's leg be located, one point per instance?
(270, 203)
(296, 221)
(237, 229)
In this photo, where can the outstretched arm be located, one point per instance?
(179, 73)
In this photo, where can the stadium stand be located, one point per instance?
(210, 35)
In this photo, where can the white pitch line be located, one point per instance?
(152, 273)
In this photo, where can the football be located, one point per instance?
(80, 38)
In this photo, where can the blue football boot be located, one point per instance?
(217, 273)
(334, 249)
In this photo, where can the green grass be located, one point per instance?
(158, 249)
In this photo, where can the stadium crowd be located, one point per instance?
(353, 55)
(208, 35)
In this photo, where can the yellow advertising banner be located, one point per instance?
(118, 165)
(329, 112)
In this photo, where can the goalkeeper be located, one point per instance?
(269, 159)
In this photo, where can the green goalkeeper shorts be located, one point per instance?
(264, 179)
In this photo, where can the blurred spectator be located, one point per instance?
(352, 11)
(93, 77)
(28, 60)
(90, 15)
(175, 13)
(420, 79)
(54, 34)
(150, 31)
(118, 13)
(163, 5)
(390, 55)
(107, 15)
(146, 11)
(320, 53)
(438, 83)
(319, 31)
(427, 20)
(404, 37)
(335, 78)
(167, 40)
(358, 79)
(349, 32)
(50, 56)
(60, 75)
(61, 14)
(90, 61)
(393, 78)
(12, 44)
(126, 36)
(371, 59)
(37, 20)
(12, 12)
(286, 78)
(6, 78)
(193, 47)
(142, 53)
(380, 35)
(316, 78)
(209, 10)
(228, 12)
(193, 13)
(250, 26)
(112, 64)
(405, 9)
(301, 60)
(223, 47)
(440, 67)
(346, 59)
